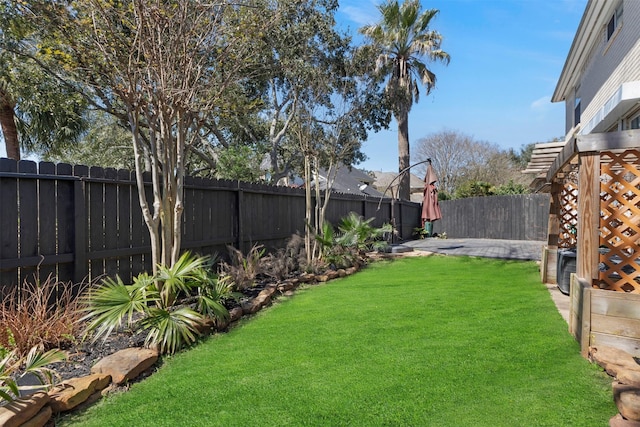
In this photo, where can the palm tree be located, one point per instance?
(8, 127)
(403, 39)
(37, 112)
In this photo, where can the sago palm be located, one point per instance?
(404, 40)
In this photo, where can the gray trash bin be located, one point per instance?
(566, 266)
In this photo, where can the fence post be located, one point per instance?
(588, 216)
(239, 213)
(80, 267)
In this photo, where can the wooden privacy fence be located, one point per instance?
(79, 222)
(512, 217)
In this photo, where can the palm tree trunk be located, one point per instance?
(404, 189)
(8, 126)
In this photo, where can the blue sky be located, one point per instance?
(506, 58)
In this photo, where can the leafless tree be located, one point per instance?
(459, 158)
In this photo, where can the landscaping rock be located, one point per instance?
(262, 299)
(322, 278)
(40, 419)
(207, 326)
(332, 274)
(351, 270)
(126, 364)
(221, 325)
(629, 377)
(235, 313)
(93, 398)
(307, 278)
(620, 421)
(268, 292)
(75, 391)
(22, 410)
(286, 286)
(613, 359)
(250, 306)
(627, 399)
(342, 272)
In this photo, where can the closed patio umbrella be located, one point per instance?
(430, 207)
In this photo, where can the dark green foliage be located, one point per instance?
(240, 162)
(474, 189)
(106, 144)
(511, 188)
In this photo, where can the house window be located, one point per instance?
(614, 22)
(576, 105)
(634, 123)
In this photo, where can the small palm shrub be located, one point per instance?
(334, 252)
(243, 270)
(170, 306)
(35, 362)
(39, 314)
(355, 237)
(360, 234)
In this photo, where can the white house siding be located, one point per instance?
(611, 63)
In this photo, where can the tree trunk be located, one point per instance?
(8, 126)
(307, 210)
(404, 189)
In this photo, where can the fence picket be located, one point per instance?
(47, 221)
(65, 215)
(8, 226)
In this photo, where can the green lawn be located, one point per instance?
(428, 341)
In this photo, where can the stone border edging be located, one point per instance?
(625, 370)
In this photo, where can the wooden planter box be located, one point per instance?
(548, 265)
(605, 318)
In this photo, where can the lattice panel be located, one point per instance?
(568, 215)
(620, 221)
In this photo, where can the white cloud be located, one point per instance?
(541, 104)
(361, 13)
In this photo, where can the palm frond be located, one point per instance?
(113, 301)
(36, 363)
(179, 277)
(171, 330)
(36, 360)
(211, 295)
(12, 367)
